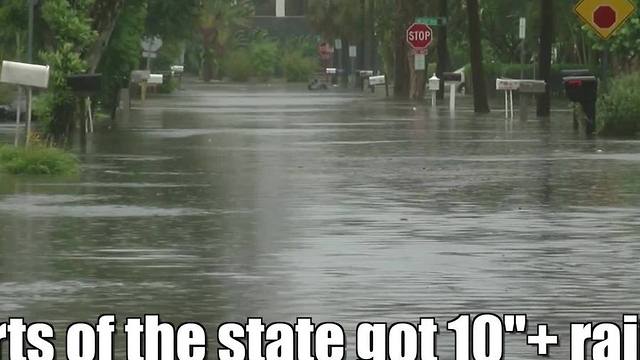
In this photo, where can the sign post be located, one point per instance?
(150, 47)
(522, 34)
(353, 54)
(419, 37)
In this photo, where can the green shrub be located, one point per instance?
(619, 109)
(238, 65)
(37, 160)
(297, 67)
(7, 93)
(169, 85)
(264, 58)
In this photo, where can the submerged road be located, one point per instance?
(224, 201)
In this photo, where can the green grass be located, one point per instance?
(619, 108)
(37, 160)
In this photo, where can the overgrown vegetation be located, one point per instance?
(297, 67)
(37, 160)
(619, 109)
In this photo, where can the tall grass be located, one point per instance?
(37, 160)
(619, 109)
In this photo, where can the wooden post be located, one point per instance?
(29, 108)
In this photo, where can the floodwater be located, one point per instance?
(223, 202)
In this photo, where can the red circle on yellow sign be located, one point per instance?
(604, 16)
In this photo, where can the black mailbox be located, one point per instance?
(575, 72)
(85, 84)
(584, 90)
(452, 77)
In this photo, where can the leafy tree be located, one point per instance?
(218, 21)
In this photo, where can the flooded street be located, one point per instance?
(225, 201)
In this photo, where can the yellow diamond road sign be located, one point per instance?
(605, 16)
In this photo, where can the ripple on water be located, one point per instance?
(76, 207)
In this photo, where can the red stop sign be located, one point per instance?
(419, 36)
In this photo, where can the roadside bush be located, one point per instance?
(7, 94)
(169, 85)
(238, 65)
(297, 67)
(37, 160)
(264, 58)
(619, 109)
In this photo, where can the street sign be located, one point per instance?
(605, 16)
(149, 55)
(420, 63)
(151, 44)
(432, 21)
(523, 28)
(419, 36)
(338, 44)
(353, 51)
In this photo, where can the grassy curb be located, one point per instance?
(37, 160)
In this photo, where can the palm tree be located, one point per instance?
(218, 22)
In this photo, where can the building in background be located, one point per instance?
(282, 18)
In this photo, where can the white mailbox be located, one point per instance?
(25, 74)
(434, 83)
(332, 71)
(178, 69)
(156, 79)
(138, 76)
(377, 80)
(507, 84)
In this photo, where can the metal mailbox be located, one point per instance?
(507, 84)
(156, 79)
(452, 77)
(581, 88)
(434, 83)
(377, 80)
(25, 74)
(533, 86)
(85, 84)
(138, 76)
(178, 69)
(575, 72)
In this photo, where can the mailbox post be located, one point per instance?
(452, 79)
(528, 87)
(140, 77)
(178, 70)
(434, 87)
(364, 77)
(379, 80)
(508, 86)
(29, 76)
(584, 90)
(86, 85)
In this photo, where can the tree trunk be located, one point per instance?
(105, 15)
(444, 62)
(546, 42)
(480, 101)
(402, 74)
